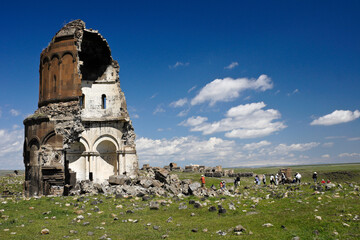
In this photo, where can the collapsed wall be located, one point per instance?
(82, 129)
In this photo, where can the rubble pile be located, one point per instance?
(156, 182)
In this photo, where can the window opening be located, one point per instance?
(103, 101)
(82, 101)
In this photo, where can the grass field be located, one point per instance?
(293, 211)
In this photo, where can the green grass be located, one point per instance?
(291, 216)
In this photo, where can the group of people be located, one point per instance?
(275, 179)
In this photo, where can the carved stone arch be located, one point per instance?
(52, 139)
(34, 147)
(67, 53)
(55, 55)
(103, 138)
(34, 141)
(85, 143)
(45, 60)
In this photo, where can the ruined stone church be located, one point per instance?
(81, 129)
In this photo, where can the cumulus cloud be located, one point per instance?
(354, 139)
(11, 145)
(232, 65)
(253, 146)
(243, 121)
(14, 112)
(326, 156)
(179, 103)
(194, 121)
(193, 149)
(183, 113)
(349, 155)
(158, 109)
(298, 147)
(337, 117)
(214, 150)
(178, 64)
(328, 144)
(228, 89)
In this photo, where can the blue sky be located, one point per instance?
(236, 83)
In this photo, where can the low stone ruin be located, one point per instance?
(217, 171)
(155, 181)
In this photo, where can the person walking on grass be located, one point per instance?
(202, 179)
(276, 179)
(236, 182)
(298, 178)
(264, 179)
(272, 179)
(314, 176)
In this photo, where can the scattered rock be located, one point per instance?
(45, 231)
(267, 225)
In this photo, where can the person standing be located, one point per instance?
(264, 179)
(202, 179)
(314, 177)
(272, 179)
(236, 182)
(298, 178)
(277, 179)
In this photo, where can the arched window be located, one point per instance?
(103, 101)
(54, 83)
(82, 101)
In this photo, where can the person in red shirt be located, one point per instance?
(323, 181)
(202, 179)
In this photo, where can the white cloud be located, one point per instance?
(14, 112)
(178, 64)
(179, 103)
(298, 147)
(293, 92)
(192, 89)
(11, 146)
(194, 121)
(253, 146)
(328, 144)
(354, 139)
(349, 155)
(183, 113)
(214, 151)
(154, 96)
(337, 117)
(232, 65)
(243, 121)
(158, 109)
(228, 89)
(164, 151)
(326, 156)
(135, 116)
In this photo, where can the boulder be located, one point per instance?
(193, 187)
(161, 175)
(154, 205)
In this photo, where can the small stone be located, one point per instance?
(164, 236)
(194, 230)
(73, 232)
(212, 209)
(239, 228)
(169, 219)
(346, 225)
(45, 231)
(90, 233)
(295, 238)
(86, 223)
(222, 210)
(192, 214)
(318, 218)
(267, 225)
(205, 230)
(156, 227)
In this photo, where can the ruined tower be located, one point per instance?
(81, 129)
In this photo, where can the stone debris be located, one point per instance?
(45, 231)
(267, 225)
